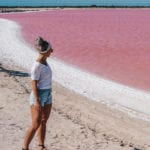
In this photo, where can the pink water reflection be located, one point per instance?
(112, 43)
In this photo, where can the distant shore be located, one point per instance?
(4, 9)
(22, 9)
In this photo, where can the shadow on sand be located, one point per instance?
(13, 73)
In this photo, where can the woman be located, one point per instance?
(40, 98)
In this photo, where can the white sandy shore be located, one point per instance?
(124, 98)
(75, 122)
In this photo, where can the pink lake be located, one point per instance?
(112, 43)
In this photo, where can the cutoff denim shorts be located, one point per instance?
(45, 97)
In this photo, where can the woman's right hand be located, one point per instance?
(37, 106)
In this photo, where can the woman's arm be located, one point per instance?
(35, 92)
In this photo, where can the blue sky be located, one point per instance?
(72, 2)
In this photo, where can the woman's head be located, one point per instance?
(43, 46)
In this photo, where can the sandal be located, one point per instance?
(42, 147)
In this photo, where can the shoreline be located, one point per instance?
(119, 95)
(24, 9)
(75, 123)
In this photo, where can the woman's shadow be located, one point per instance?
(13, 73)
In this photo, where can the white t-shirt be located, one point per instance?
(43, 74)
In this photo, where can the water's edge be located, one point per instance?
(134, 102)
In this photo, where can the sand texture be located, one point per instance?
(76, 123)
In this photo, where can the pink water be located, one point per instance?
(111, 43)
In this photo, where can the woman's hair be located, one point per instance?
(41, 45)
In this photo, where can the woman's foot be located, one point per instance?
(42, 147)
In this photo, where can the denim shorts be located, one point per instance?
(45, 97)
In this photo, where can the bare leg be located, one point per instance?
(36, 119)
(42, 128)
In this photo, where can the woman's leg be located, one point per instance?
(36, 119)
(42, 128)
